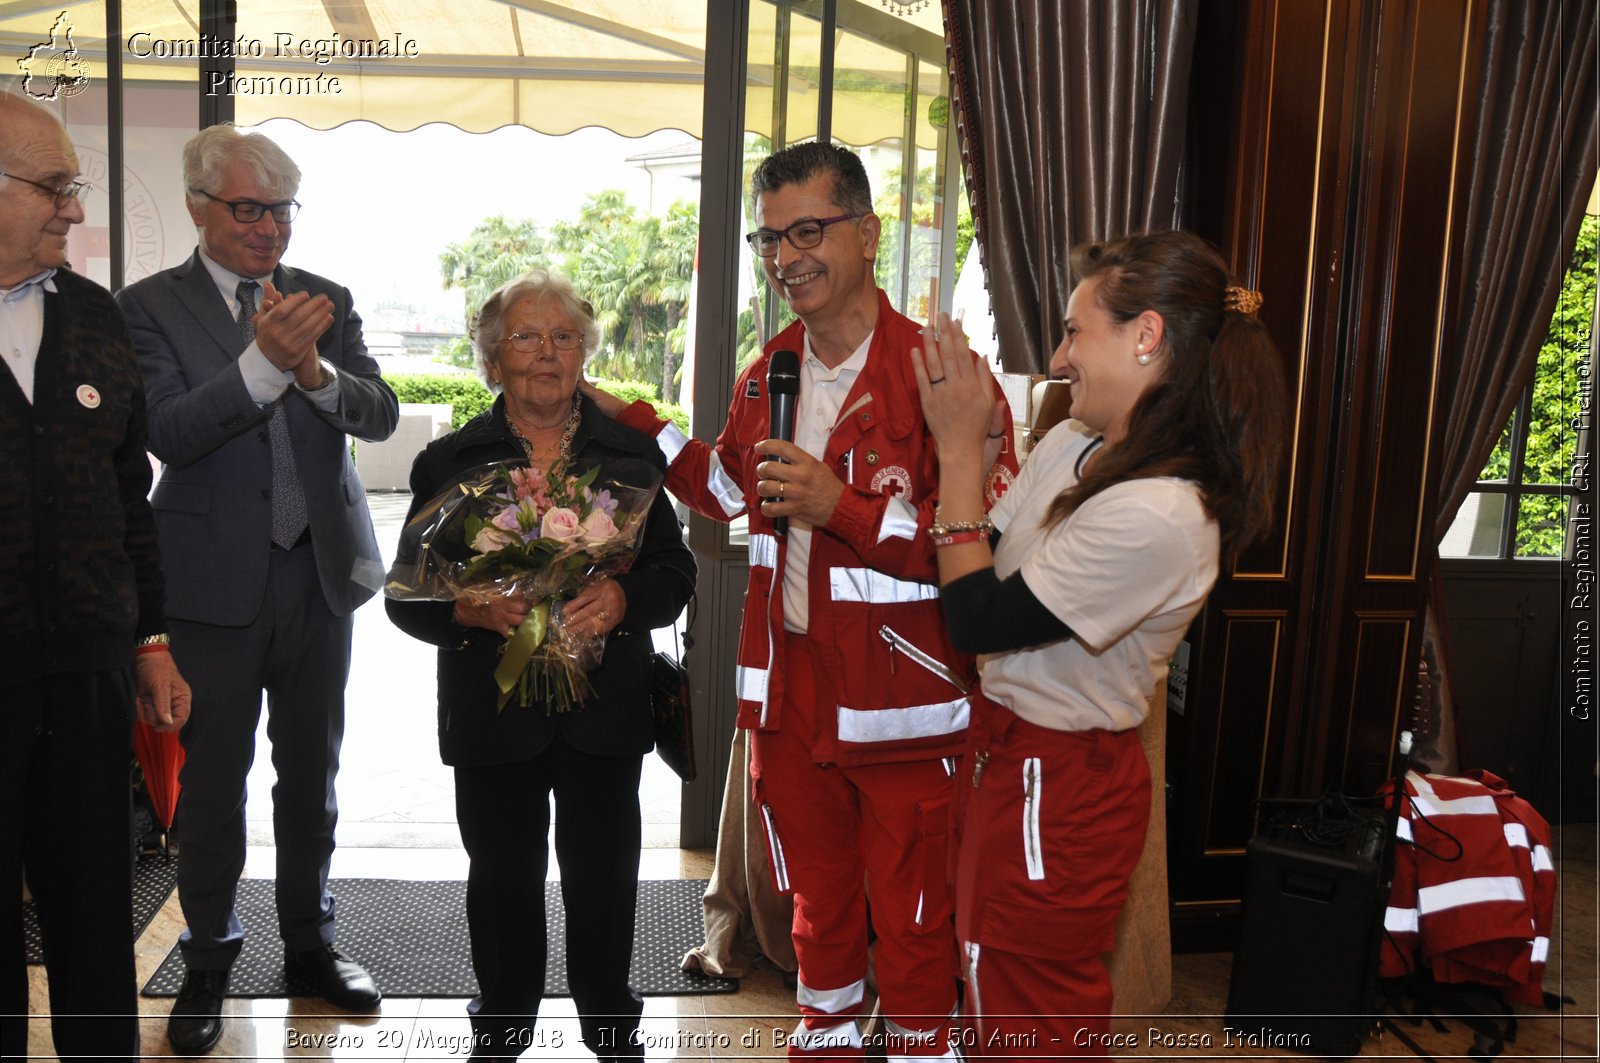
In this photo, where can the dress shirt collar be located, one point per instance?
(227, 281)
(43, 279)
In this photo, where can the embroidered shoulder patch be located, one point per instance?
(752, 388)
(998, 484)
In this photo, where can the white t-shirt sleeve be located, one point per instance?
(1036, 472)
(1135, 550)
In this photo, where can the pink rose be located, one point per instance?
(506, 520)
(490, 539)
(560, 524)
(598, 527)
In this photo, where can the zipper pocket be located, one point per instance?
(1032, 848)
(899, 642)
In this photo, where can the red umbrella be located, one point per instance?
(160, 755)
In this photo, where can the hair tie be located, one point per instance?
(1241, 300)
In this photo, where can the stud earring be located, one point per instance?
(1143, 359)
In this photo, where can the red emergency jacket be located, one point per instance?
(1473, 895)
(893, 686)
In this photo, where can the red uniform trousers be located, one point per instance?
(1047, 842)
(830, 832)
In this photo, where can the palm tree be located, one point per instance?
(496, 251)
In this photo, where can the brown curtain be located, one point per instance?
(1522, 217)
(1538, 102)
(1072, 121)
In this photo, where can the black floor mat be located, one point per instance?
(411, 936)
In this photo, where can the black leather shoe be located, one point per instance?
(341, 982)
(195, 1025)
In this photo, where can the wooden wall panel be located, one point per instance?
(1343, 120)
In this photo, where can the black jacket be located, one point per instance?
(615, 721)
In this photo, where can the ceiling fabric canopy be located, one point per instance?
(632, 66)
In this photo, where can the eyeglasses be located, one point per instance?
(562, 339)
(63, 194)
(802, 235)
(248, 211)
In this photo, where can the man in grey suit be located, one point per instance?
(255, 374)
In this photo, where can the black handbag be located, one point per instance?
(670, 708)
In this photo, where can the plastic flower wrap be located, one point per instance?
(511, 530)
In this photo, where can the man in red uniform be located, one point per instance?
(845, 672)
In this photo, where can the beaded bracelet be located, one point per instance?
(956, 538)
(939, 529)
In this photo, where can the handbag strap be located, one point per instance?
(682, 652)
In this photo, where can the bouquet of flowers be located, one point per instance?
(508, 529)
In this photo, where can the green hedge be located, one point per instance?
(468, 397)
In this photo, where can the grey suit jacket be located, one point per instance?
(213, 502)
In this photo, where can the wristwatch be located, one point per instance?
(329, 375)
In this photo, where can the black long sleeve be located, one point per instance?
(986, 614)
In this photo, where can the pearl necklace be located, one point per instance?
(568, 431)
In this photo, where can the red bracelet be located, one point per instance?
(154, 647)
(974, 535)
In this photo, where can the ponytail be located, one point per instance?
(1218, 415)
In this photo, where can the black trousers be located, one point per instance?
(65, 816)
(504, 814)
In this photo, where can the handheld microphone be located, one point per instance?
(783, 392)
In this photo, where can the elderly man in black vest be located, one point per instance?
(83, 642)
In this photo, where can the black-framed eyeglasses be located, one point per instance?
(802, 235)
(249, 211)
(63, 194)
(562, 339)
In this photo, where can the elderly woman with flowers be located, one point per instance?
(511, 755)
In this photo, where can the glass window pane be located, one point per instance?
(1498, 467)
(1476, 531)
(1541, 525)
(1563, 362)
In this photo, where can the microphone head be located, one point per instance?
(783, 373)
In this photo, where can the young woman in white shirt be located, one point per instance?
(1076, 589)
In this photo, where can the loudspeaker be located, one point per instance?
(1307, 960)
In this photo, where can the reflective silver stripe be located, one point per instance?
(1400, 920)
(899, 521)
(975, 1004)
(830, 1001)
(671, 440)
(1402, 830)
(780, 866)
(844, 1035)
(921, 896)
(899, 1036)
(916, 1037)
(1541, 859)
(1516, 835)
(874, 588)
(1430, 806)
(913, 721)
(720, 484)
(1541, 950)
(764, 551)
(1032, 783)
(750, 684)
(1431, 899)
